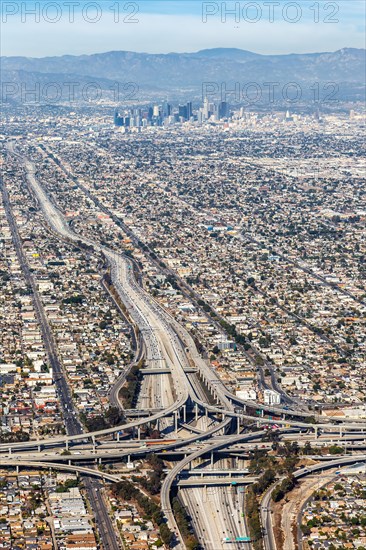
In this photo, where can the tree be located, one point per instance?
(307, 449)
(335, 450)
(113, 416)
(166, 534)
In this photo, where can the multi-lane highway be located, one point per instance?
(216, 515)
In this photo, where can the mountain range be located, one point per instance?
(180, 74)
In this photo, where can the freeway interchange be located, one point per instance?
(177, 387)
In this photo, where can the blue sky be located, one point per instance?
(179, 25)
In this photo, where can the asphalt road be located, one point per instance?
(73, 426)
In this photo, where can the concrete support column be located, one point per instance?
(184, 413)
(196, 411)
(139, 433)
(118, 436)
(175, 421)
(212, 458)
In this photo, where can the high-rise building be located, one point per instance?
(189, 110)
(118, 119)
(166, 109)
(206, 109)
(223, 110)
(182, 111)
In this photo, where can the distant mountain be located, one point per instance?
(229, 53)
(183, 73)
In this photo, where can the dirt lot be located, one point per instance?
(286, 511)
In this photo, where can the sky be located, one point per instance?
(49, 28)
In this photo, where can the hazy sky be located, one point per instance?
(78, 26)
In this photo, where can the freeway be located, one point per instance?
(216, 481)
(112, 450)
(161, 342)
(158, 350)
(67, 439)
(162, 320)
(226, 442)
(139, 349)
(215, 513)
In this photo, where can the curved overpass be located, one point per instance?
(60, 466)
(66, 439)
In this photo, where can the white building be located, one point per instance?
(271, 397)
